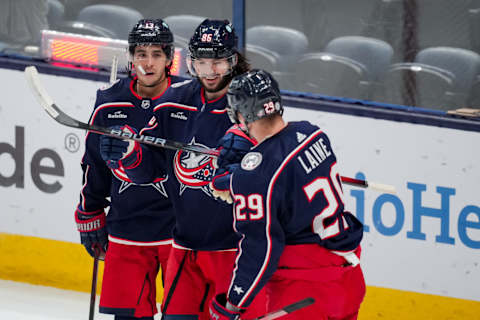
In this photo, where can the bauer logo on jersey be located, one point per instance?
(251, 160)
(194, 171)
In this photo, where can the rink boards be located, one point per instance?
(421, 251)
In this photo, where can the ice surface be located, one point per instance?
(21, 301)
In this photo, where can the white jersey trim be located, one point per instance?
(138, 243)
(174, 105)
(177, 246)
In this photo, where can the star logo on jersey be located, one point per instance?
(158, 184)
(193, 170)
(301, 137)
(238, 289)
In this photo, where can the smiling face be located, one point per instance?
(213, 73)
(152, 60)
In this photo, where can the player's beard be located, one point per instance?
(221, 85)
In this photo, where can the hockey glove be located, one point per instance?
(91, 226)
(117, 152)
(220, 187)
(233, 146)
(219, 311)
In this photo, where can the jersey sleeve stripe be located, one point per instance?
(271, 186)
(174, 105)
(82, 196)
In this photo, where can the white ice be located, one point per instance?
(21, 301)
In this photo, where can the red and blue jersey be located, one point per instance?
(202, 223)
(287, 192)
(137, 212)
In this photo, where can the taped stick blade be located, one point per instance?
(31, 74)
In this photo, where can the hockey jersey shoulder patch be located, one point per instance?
(251, 161)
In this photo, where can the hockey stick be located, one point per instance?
(58, 115)
(287, 309)
(365, 184)
(93, 292)
(113, 71)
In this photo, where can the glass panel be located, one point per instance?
(423, 53)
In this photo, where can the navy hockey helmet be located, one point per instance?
(151, 31)
(254, 95)
(213, 39)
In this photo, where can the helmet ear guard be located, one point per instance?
(254, 95)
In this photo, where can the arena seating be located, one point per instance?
(349, 66)
(441, 78)
(275, 48)
(56, 14)
(183, 27)
(118, 20)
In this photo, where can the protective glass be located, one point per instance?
(205, 67)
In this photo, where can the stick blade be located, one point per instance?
(382, 187)
(44, 99)
(31, 74)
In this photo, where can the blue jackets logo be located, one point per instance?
(194, 171)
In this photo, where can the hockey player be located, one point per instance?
(297, 240)
(140, 217)
(204, 246)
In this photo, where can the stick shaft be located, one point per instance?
(93, 290)
(56, 113)
(287, 309)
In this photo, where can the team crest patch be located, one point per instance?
(251, 160)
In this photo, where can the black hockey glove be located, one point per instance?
(233, 146)
(91, 226)
(116, 152)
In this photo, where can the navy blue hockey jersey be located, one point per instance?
(202, 223)
(286, 192)
(141, 213)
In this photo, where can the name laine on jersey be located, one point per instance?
(117, 115)
(315, 155)
(178, 115)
